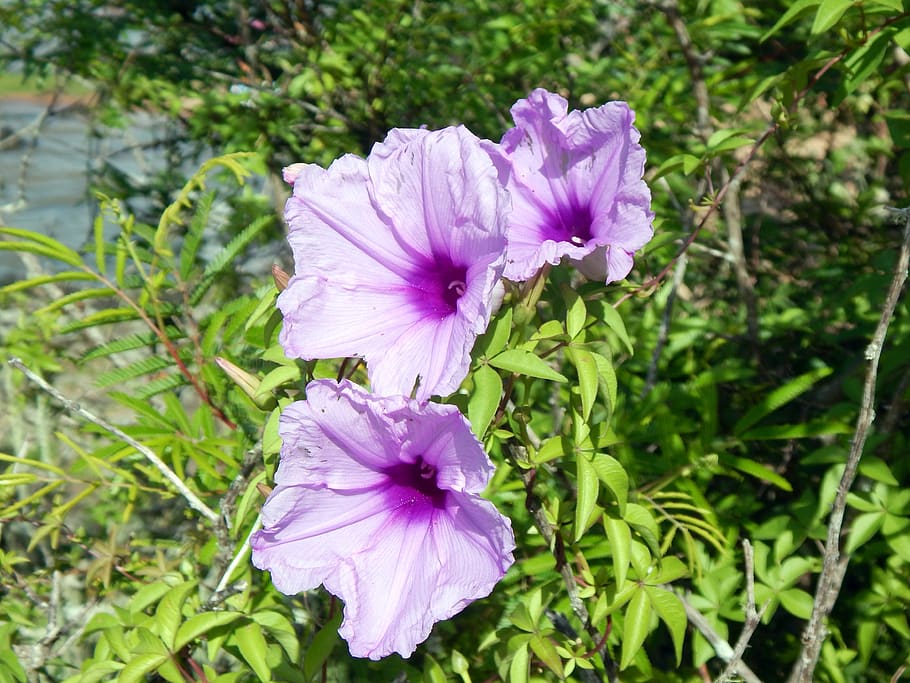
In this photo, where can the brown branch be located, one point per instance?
(834, 565)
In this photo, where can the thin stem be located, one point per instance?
(834, 565)
(176, 482)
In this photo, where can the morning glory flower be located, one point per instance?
(576, 184)
(378, 499)
(398, 259)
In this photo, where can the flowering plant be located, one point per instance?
(398, 260)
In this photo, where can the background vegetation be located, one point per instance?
(672, 498)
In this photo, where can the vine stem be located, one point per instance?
(176, 482)
(834, 564)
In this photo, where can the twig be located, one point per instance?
(834, 565)
(753, 619)
(191, 498)
(663, 332)
(733, 219)
(240, 557)
(721, 647)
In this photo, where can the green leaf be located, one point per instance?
(321, 647)
(141, 665)
(527, 363)
(795, 10)
(280, 629)
(863, 61)
(169, 614)
(576, 313)
(687, 163)
(614, 477)
(672, 612)
(432, 672)
(877, 469)
(780, 397)
(200, 624)
(606, 378)
(797, 602)
(637, 623)
(253, 648)
(614, 321)
(588, 488)
(813, 428)
(644, 524)
(283, 374)
(829, 13)
(495, 338)
(588, 377)
(864, 527)
(757, 470)
(37, 243)
(149, 594)
(484, 399)
(619, 536)
(518, 667)
(546, 652)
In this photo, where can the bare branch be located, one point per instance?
(176, 482)
(736, 666)
(834, 565)
(721, 647)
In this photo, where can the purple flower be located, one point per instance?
(398, 259)
(576, 185)
(379, 500)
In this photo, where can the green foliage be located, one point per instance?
(640, 432)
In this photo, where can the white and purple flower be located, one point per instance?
(576, 184)
(397, 259)
(378, 499)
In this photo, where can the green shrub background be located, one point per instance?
(709, 400)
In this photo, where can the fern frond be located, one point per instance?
(105, 317)
(67, 276)
(227, 255)
(129, 343)
(81, 295)
(155, 387)
(37, 243)
(141, 367)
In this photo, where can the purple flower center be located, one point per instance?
(414, 485)
(573, 224)
(439, 287)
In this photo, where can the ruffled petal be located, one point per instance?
(576, 184)
(439, 189)
(429, 569)
(309, 531)
(335, 438)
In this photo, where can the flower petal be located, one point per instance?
(429, 571)
(576, 185)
